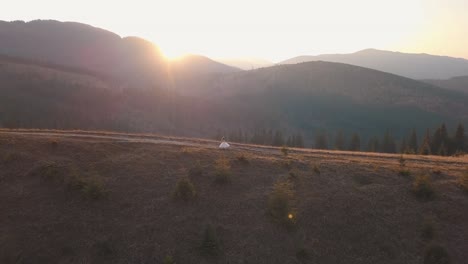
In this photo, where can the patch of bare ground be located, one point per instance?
(348, 207)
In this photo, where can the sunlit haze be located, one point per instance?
(273, 30)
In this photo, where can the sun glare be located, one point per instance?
(173, 54)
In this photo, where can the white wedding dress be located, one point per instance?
(224, 145)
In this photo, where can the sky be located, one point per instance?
(268, 29)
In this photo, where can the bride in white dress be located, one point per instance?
(224, 144)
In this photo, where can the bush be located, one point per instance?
(242, 159)
(436, 254)
(90, 187)
(463, 182)
(93, 189)
(184, 190)
(316, 169)
(402, 161)
(423, 188)
(362, 179)
(210, 243)
(49, 171)
(428, 230)
(285, 150)
(302, 254)
(222, 171)
(287, 164)
(293, 175)
(103, 248)
(196, 170)
(168, 260)
(280, 203)
(53, 143)
(405, 173)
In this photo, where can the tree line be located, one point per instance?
(440, 142)
(268, 137)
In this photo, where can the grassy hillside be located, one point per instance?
(85, 200)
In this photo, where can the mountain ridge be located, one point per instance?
(72, 44)
(411, 65)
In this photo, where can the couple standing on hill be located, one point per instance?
(224, 144)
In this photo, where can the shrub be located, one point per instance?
(103, 248)
(93, 189)
(436, 254)
(196, 170)
(428, 230)
(316, 169)
(423, 188)
(90, 186)
(287, 164)
(285, 150)
(242, 159)
(53, 143)
(168, 260)
(302, 254)
(280, 203)
(362, 179)
(463, 182)
(210, 243)
(11, 157)
(222, 171)
(402, 161)
(405, 173)
(184, 190)
(49, 171)
(293, 175)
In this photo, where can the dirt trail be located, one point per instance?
(460, 162)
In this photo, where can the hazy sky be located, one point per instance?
(269, 29)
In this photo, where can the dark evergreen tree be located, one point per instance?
(388, 143)
(299, 141)
(340, 141)
(404, 146)
(439, 138)
(290, 141)
(425, 148)
(459, 140)
(269, 139)
(373, 144)
(278, 139)
(355, 143)
(442, 150)
(413, 142)
(321, 141)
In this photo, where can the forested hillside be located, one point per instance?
(102, 81)
(290, 105)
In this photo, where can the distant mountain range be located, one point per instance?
(415, 66)
(70, 75)
(459, 83)
(246, 63)
(79, 45)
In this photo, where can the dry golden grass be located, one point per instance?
(463, 181)
(357, 210)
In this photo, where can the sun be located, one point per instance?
(173, 51)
